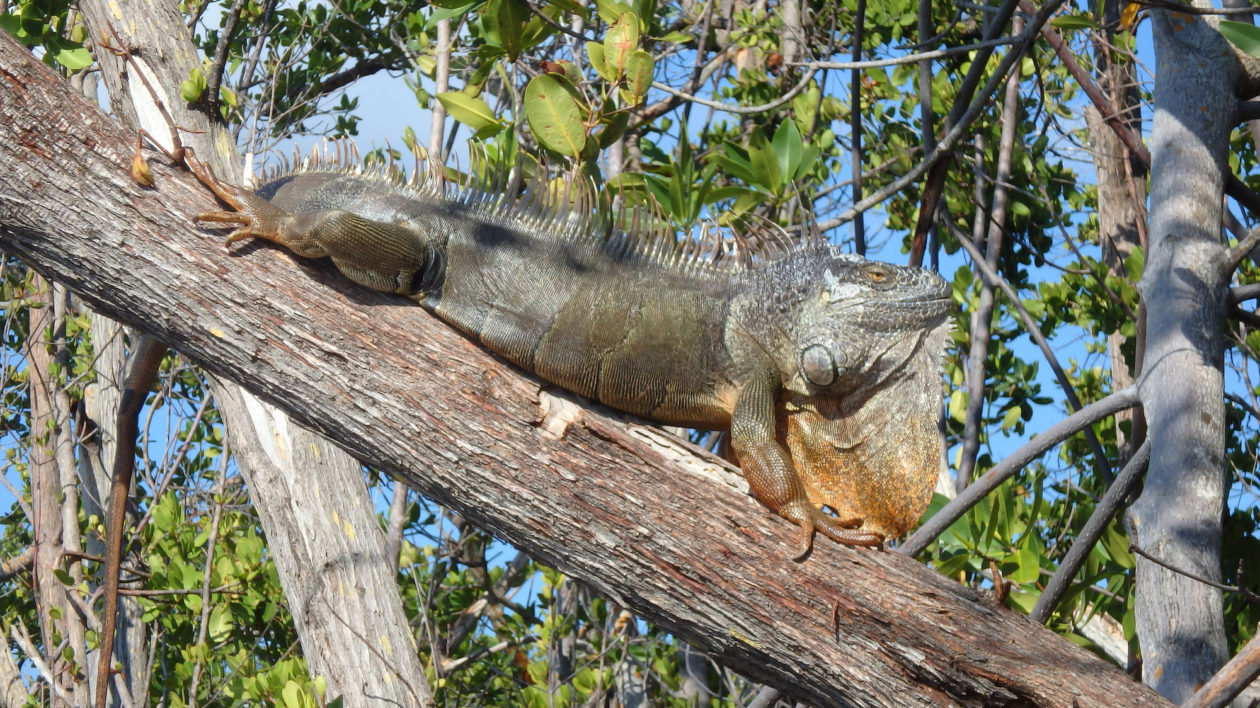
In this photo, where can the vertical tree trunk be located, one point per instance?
(1177, 519)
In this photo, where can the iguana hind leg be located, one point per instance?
(382, 255)
(772, 477)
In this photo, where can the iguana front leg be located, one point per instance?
(768, 468)
(381, 255)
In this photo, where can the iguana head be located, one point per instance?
(854, 322)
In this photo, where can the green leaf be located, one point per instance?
(1028, 566)
(71, 55)
(639, 69)
(469, 110)
(595, 55)
(621, 41)
(194, 86)
(554, 114)
(788, 148)
(958, 405)
(765, 163)
(13, 25)
(292, 694)
(1117, 545)
(220, 626)
(610, 10)
(677, 37)
(1074, 22)
(1242, 35)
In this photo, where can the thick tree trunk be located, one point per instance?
(1177, 519)
(637, 514)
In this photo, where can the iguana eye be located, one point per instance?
(877, 274)
(818, 366)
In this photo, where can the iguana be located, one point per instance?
(824, 367)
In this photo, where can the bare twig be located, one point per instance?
(908, 58)
(983, 315)
(740, 110)
(1034, 332)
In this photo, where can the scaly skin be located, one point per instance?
(776, 354)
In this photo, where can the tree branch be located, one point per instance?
(637, 514)
(1055, 434)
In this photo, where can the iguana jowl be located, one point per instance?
(824, 367)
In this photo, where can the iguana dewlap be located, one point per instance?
(825, 367)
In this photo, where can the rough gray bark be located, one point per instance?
(317, 559)
(1178, 516)
(635, 513)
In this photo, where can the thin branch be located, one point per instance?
(1241, 590)
(1034, 332)
(1188, 9)
(1243, 293)
(740, 110)
(1119, 490)
(908, 58)
(24, 643)
(855, 126)
(1055, 434)
(17, 564)
(981, 324)
(959, 129)
(203, 622)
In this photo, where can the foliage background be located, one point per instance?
(771, 125)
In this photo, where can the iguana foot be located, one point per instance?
(255, 216)
(845, 531)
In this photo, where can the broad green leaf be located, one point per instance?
(554, 114)
(595, 55)
(70, 55)
(958, 405)
(1028, 566)
(787, 149)
(292, 695)
(502, 21)
(621, 41)
(1117, 545)
(1242, 35)
(639, 69)
(469, 110)
(220, 625)
(805, 107)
